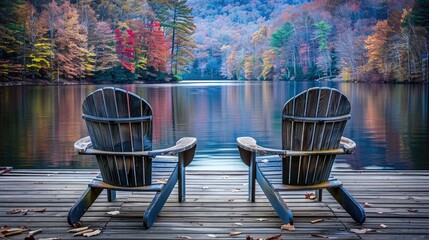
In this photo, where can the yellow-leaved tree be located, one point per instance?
(268, 57)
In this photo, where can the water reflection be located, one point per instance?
(389, 122)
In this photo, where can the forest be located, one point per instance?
(123, 41)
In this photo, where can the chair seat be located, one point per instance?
(96, 183)
(270, 167)
(162, 167)
(328, 184)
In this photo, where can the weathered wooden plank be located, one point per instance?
(217, 208)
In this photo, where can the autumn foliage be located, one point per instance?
(157, 47)
(353, 40)
(125, 42)
(70, 41)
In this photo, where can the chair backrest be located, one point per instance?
(312, 120)
(120, 121)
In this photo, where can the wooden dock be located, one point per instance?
(397, 208)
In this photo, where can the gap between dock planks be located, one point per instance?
(217, 204)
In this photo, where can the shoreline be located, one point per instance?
(42, 82)
(62, 82)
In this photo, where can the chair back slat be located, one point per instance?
(313, 120)
(120, 121)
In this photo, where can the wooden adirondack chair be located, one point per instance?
(312, 127)
(120, 136)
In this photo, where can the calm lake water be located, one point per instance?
(390, 123)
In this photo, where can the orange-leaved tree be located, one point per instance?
(378, 48)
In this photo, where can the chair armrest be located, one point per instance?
(249, 144)
(347, 145)
(84, 146)
(182, 145)
(185, 148)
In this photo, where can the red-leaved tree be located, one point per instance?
(125, 48)
(157, 48)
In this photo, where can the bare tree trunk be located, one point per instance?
(51, 60)
(294, 63)
(408, 57)
(427, 63)
(58, 73)
(24, 53)
(177, 54)
(32, 39)
(172, 41)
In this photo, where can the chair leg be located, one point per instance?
(346, 200)
(181, 179)
(319, 194)
(252, 177)
(159, 200)
(281, 208)
(111, 195)
(83, 204)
